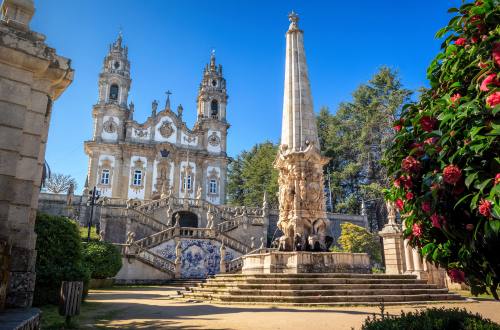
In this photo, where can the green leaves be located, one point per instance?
(468, 138)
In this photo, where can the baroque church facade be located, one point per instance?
(162, 156)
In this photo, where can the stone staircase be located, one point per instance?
(319, 289)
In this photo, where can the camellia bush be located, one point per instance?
(445, 157)
(103, 259)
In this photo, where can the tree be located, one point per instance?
(356, 239)
(57, 183)
(251, 174)
(445, 159)
(355, 139)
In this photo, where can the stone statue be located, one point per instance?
(198, 193)
(262, 244)
(391, 212)
(210, 218)
(70, 195)
(154, 107)
(130, 237)
(177, 220)
(102, 235)
(164, 190)
(252, 243)
(131, 111)
(178, 259)
(180, 109)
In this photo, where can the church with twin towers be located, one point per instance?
(161, 156)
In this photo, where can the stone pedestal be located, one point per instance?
(299, 262)
(393, 249)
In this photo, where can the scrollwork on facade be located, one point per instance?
(109, 126)
(166, 129)
(163, 177)
(141, 132)
(189, 139)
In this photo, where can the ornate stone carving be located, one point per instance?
(214, 139)
(109, 126)
(163, 176)
(189, 139)
(141, 132)
(187, 171)
(213, 175)
(302, 216)
(166, 129)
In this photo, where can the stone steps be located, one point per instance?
(319, 289)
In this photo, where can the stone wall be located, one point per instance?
(134, 271)
(32, 77)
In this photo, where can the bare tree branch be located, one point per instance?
(58, 183)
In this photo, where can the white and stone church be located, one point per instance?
(162, 156)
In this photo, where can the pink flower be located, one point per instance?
(460, 41)
(497, 178)
(437, 220)
(397, 128)
(416, 230)
(482, 65)
(456, 97)
(496, 53)
(485, 208)
(490, 79)
(456, 275)
(410, 164)
(399, 204)
(397, 183)
(409, 195)
(427, 123)
(493, 99)
(452, 174)
(474, 40)
(426, 206)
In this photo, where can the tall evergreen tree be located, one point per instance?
(355, 139)
(251, 174)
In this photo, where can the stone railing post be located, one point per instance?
(178, 259)
(394, 251)
(222, 263)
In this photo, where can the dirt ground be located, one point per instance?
(160, 308)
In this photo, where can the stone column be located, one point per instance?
(116, 179)
(32, 76)
(393, 249)
(125, 177)
(408, 257)
(148, 188)
(222, 262)
(178, 258)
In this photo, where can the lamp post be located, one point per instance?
(93, 199)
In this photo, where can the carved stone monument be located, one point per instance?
(302, 217)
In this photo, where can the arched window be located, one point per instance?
(113, 92)
(214, 109)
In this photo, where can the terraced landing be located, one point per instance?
(320, 289)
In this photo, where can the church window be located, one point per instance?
(187, 182)
(117, 65)
(113, 92)
(105, 177)
(213, 186)
(214, 109)
(137, 178)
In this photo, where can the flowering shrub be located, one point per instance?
(445, 159)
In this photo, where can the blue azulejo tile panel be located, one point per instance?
(200, 257)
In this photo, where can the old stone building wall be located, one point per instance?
(32, 77)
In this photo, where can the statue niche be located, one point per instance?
(163, 177)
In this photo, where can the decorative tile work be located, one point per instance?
(200, 257)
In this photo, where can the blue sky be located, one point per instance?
(170, 42)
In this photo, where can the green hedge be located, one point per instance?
(102, 259)
(59, 257)
(432, 319)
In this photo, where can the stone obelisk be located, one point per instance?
(299, 162)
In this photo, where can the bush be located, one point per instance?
(59, 257)
(445, 160)
(102, 259)
(433, 318)
(357, 239)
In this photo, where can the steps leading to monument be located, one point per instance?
(319, 289)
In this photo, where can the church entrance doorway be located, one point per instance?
(188, 219)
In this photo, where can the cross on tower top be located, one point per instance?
(167, 103)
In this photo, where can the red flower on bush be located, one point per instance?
(400, 204)
(496, 53)
(426, 206)
(485, 207)
(410, 164)
(437, 220)
(493, 99)
(460, 41)
(497, 178)
(427, 123)
(416, 230)
(456, 97)
(409, 195)
(452, 174)
(490, 79)
(456, 275)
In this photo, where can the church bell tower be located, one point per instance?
(212, 96)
